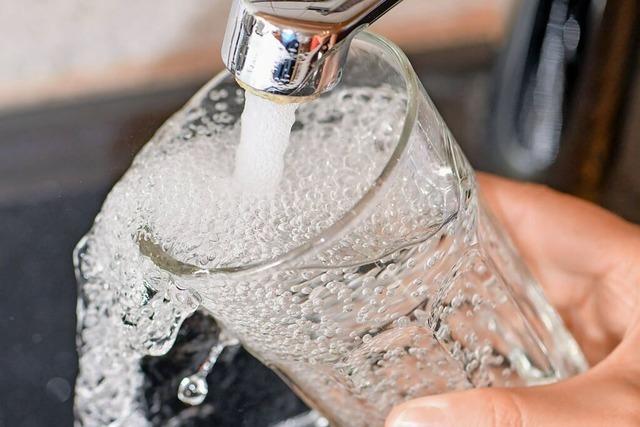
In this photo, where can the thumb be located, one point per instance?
(598, 398)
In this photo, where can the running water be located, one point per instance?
(263, 141)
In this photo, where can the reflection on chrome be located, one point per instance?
(294, 48)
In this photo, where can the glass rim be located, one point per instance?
(394, 56)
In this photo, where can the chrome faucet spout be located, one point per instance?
(294, 48)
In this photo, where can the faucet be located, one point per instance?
(294, 49)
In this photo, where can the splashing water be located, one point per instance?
(205, 176)
(127, 308)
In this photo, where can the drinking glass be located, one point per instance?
(413, 290)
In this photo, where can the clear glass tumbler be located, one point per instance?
(411, 290)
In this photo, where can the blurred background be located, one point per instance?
(541, 90)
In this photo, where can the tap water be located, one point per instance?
(402, 303)
(264, 137)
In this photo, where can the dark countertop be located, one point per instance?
(37, 301)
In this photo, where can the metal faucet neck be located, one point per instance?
(294, 48)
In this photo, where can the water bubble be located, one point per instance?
(476, 299)
(457, 301)
(480, 268)
(59, 388)
(442, 333)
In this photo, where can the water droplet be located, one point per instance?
(193, 390)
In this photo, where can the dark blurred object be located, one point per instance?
(621, 189)
(562, 94)
(535, 84)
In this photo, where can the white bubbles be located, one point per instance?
(249, 193)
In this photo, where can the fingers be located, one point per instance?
(577, 236)
(599, 398)
(585, 257)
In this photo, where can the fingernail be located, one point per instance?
(428, 415)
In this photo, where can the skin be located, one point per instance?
(588, 262)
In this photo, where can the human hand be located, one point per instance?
(588, 262)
